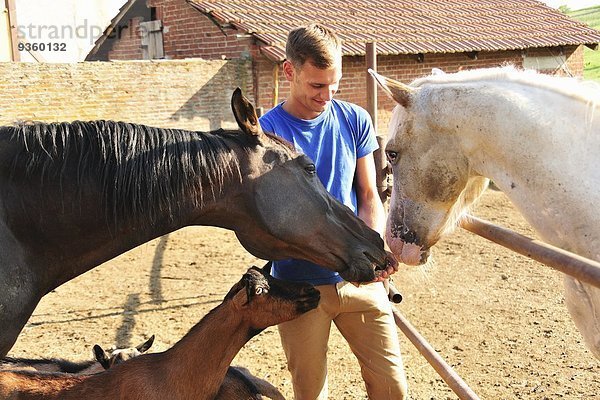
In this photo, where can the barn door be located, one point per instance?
(152, 40)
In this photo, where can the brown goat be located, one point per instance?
(196, 366)
(104, 360)
(239, 383)
(114, 357)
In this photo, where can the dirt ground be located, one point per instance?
(497, 317)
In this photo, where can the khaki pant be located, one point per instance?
(364, 317)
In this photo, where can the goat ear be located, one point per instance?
(234, 290)
(250, 287)
(267, 268)
(245, 114)
(398, 91)
(101, 356)
(142, 348)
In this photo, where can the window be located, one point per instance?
(152, 39)
(545, 63)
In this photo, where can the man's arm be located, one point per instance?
(370, 208)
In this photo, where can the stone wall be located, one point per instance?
(190, 94)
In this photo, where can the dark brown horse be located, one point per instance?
(74, 195)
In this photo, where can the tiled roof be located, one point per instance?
(109, 29)
(407, 26)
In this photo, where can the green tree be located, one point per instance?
(564, 9)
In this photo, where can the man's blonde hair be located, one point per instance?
(315, 43)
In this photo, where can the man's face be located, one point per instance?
(313, 88)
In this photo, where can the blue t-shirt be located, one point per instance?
(334, 140)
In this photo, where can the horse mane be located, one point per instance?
(585, 91)
(142, 170)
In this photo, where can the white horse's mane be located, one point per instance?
(586, 91)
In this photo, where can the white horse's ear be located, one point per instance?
(437, 71)
(398, 91)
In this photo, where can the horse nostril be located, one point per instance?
(408, 236)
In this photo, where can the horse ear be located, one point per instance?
(142, 348)
(245, 114)
(101, 356)
(398, 91)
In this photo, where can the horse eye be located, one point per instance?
(392, 156)
(311, 169)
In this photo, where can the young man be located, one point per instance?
(340, 139)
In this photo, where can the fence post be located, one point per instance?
(379, 154)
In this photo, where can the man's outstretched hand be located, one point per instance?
(390, 268)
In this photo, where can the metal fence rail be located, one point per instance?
(572, 264)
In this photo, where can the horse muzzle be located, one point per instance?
(408, 253)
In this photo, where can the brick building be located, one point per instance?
(412, 37)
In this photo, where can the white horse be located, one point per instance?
(537, 137)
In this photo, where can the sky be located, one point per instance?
(73, 24)
(572, 4)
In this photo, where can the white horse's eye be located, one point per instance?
(392, 156)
